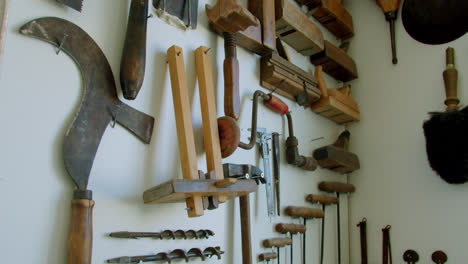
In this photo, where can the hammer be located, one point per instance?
(277, 242)
(305, 213)
(338, 188)
(292, 229)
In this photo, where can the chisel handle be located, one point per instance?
(80, 236)
(277, 242)
(275, 104)
(267, 256)
(290, 228)
(304, 212)
(132, 65)
(338, 187)
(321, 199)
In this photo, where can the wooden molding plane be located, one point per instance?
(332, 15)
(336, 63)
(295, 28)
(335, 104)
(336, 157)
(288, 80)
(200, 191)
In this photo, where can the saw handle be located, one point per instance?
(277, 242)
(80, 236)
(450, 80)
(132, 64)
(290, 228)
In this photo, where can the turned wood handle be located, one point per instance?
(321, 199)
(388, 5)
(339, 187)
(275, 104)
(277, 242)
(267, 256)
(320, 81)
(290, 228)
(132, 64)
(304, 212)
(450, 79)
(80, 236)
(231, 88)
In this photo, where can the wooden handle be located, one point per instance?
(277, 242)
(388, 5)
(80, 236)
(132, 64)
(231, 88)
(267, 256)
(244, 208)
(276, 104)
(450, 79)
(304, 212)
(321, 199)
(290, 228)
(230, 16)
(339, 187)
(320, 81)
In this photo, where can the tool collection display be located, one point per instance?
(176, 254)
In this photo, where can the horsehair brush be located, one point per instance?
(446, 132)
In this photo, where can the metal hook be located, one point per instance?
(60, 47)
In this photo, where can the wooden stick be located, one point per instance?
(338, 187)
(3, 27)
(321, 199)
(184, 127)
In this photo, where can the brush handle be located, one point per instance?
(450, 79)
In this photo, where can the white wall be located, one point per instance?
(395, 184)
(40, 91)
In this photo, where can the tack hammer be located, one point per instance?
(277, 242)
(338, 188)
(305, 213)
(292, 229)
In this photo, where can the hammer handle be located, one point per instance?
(277, 242)
(304, 212)
(132, 65)
(321, 199)
(339, 187)
(290, 228)
(80, 236)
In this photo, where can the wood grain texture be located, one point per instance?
(277, 242)
(336, 63)
(184, 127)
(230, 16)
(264, 10)
(304, 212)
(80, 236)
(295, 28)
(321, 199)
(290, 228)
(231, 87)
(334, 17)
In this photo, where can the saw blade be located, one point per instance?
(75, 4)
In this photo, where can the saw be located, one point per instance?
(99, 106)
(75, 4)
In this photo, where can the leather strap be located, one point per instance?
(362, 230)
(386, 246)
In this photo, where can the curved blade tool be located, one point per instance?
(99, 105)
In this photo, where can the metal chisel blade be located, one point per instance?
(75, 4)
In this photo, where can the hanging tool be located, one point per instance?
(390, 10)
(386, 246)
(182, 14)
(262, 141)
(176, 254)
(363, 237)
(337, 187)
(245, 171)
(292, 150)
(435, 21)
(292, 229)
(99, 105)
(410, 256)
(445, 132)
(439, 257)
(304, 213)
(277, 242)
(132, 64)
(75, 4)
(324, 200)
(231, 17)
(276, 169)
(336, 157)
(166, 234)
(267, 256)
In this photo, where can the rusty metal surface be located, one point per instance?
(435, 21)
(99, 104)
(186, 10)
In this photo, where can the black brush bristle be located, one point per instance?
(447, 145)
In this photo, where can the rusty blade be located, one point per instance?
(99, 104)
(75, 4)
